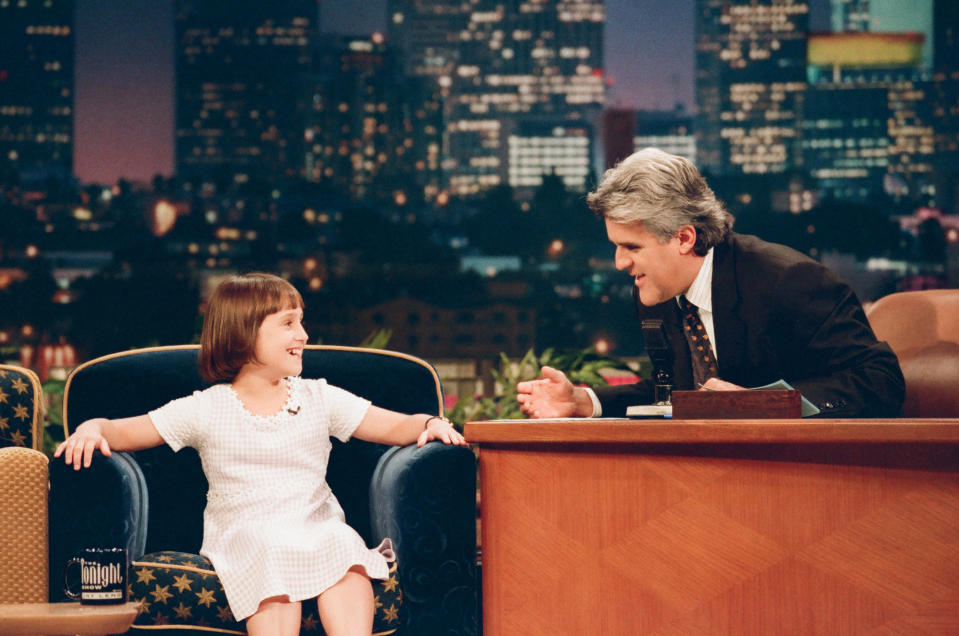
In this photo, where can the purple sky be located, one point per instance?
(124, 72)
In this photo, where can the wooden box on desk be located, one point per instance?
(728, 405)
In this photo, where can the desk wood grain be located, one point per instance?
(734, 527)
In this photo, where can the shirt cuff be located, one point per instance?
(597, 407)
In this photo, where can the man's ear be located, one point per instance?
(687, 239)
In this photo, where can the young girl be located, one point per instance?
(272, 528)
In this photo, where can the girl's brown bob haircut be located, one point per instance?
(235, 311)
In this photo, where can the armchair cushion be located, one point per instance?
(179, 590)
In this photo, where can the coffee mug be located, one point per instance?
(103, 576)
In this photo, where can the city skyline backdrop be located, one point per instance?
(124, 101)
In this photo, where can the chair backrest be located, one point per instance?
(135, 382)
(922, 327)
(24, 555)
(21, 411)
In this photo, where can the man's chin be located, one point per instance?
(650, 299)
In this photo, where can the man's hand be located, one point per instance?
(715, 384)
(553, 395)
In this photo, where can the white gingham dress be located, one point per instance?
(272, 525)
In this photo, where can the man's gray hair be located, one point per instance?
(663, 192)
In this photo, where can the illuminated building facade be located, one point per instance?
(371, 131)
(945, 104)
(669, 130)
(36, 87)
(537, 149)
(241, 89)
(497, 63)
(887, 16)
(868, 123)
(849, 15)
(750, 82)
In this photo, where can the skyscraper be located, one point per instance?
(497, 64)
(945, 89)
(241, 88)
(371, 131)
(750, 81)
(36, 87)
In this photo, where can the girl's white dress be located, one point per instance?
(272, 525)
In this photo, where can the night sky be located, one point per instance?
(124, 72)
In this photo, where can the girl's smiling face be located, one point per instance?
(280, 341)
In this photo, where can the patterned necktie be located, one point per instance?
(700, 351)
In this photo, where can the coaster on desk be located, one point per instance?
(650, 410)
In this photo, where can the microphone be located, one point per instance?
(293, 411)
(661, 355)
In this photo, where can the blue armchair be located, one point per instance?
(152, 501)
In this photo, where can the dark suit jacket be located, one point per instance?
(781, 315)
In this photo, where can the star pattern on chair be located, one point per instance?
(19, 409)
(182, 582)
(163, 589)
(183, 612)
(205, 597)
(391, 614)
(161, 594)
(224, 614)
(145, 575)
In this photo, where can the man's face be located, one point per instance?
(660, 270)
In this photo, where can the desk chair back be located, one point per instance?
(922, 327)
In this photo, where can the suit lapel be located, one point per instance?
(728, 325)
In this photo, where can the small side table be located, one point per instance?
(66, 618)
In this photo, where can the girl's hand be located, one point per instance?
(80, 446)
(442, 429)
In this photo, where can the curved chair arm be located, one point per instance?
(424, 499)
(104, 505)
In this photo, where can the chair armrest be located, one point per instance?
(104, 505)
(424, 499)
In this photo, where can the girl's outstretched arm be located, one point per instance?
(390, 427)
(130, 433)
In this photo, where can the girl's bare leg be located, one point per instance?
(346, 608)
(275, 616)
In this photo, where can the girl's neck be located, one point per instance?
(261, 394)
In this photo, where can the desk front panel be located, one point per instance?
(731, 538)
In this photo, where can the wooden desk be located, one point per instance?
(66, 618)
(623, 527)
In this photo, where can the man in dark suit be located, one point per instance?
(738, 311)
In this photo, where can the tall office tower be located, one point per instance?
(498, 64)
(867, 124)
(750, 81)
(36, 88)
(540, 148)
(371, 131)
(668, 130)
(849, 15)
(619, 128)
(945, 100)
(242, 88)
